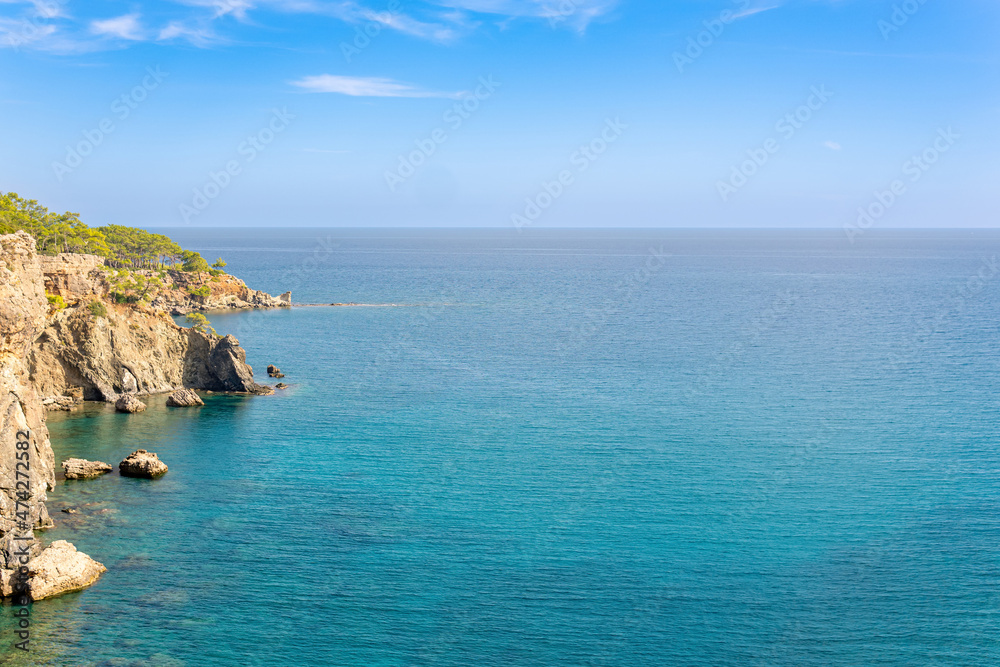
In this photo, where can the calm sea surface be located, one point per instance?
(562, 448)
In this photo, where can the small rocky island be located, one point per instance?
(94, 324)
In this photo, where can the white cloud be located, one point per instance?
(357, 86)
(750, 11)
(832, 145)
(123, 27)
(577, 14)
(237, 8)
(200, 36)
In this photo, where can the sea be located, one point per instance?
(560, 447)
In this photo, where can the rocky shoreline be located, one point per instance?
(67, 336)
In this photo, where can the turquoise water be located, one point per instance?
(563, 448)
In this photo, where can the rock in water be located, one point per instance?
(60, 569)
(83, 469)
(274, 371)
(129, 403)
(184, 398)
(281, 385)
(141, 463)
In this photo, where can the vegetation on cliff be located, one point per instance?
(121, 247)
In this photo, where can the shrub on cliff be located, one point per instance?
(98, 309)
(56, 301)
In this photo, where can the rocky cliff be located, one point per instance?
(85, 345)
(74, 277)
(24, 481)
(97, 349)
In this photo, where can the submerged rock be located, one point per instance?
(83, 469)
(141, 463)
(71, 510)
(184, 398)
(129, 403)
(281, 385)
(61, 569)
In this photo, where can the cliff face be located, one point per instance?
(23, 309)
(75, 277)
(105, 350)
(132, 351)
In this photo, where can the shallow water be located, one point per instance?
(766, 448)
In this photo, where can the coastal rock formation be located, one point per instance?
(132, 350)
(274, 371)
(61, 569)
(103, 349)
(63, 403)
(227, 363)
(184, 398)
(83, 469)
(23, 308)
(141, 463)
(79, 277)
(129, 403)
(281, 385)
(189, 292)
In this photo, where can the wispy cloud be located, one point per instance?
(751, 11)
(357, 86)
(202, 36)
(577, 14)
(122, 27)
(236, 8)
(832, 145)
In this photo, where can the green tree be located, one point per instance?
(193, 262)
(199, 322)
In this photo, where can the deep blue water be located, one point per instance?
(563, 448)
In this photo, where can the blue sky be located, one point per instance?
(504, 113)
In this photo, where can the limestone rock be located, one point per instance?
(184, 398)
(83, 469)
(129, 403)
(72, 276)
(274, 371)
(281, 385)
(141, 463)
(23, 312)
(79, 350)
(228, 363)
(60, 403)
(61, 569)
